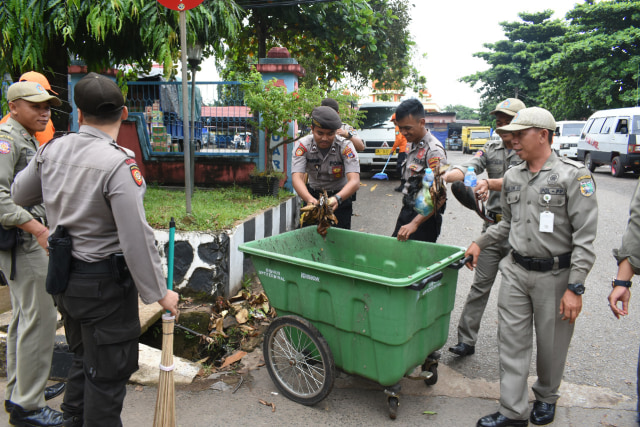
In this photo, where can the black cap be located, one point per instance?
(330, 102)
(326, 118)
(96, 94)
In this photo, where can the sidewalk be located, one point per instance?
(456, 401)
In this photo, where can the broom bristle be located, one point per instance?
(165, 415)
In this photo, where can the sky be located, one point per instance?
(450, 32)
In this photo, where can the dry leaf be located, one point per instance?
(374, 187)
(273, 406)
(139, 388)
(233, 358)
(218, 325)
(242, 316)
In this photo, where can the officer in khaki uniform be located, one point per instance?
(628, 260)
(423, 151)
(94, 188)
(331, 163)
(32, 330)
(550, 217)
(496, 157)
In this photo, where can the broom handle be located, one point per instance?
(388, 158)
(172, 236)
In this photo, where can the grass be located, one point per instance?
(211, 209)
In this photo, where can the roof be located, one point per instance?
(226, 111)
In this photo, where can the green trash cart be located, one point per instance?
(367, 304)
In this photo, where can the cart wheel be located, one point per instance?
(298, 360)
(431, 366)
(393, 402)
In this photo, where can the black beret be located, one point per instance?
(326, 118)
(330, 102)
(96, 94)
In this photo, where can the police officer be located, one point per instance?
(550, 215)
(423, 151)
(628, 259)
(94, 188)
(346, 131)
(331, 164)
(496, 157)
(32, 329)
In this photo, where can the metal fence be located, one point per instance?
(219, 123)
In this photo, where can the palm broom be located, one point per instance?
(165, 415)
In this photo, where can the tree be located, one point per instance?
(533, 40)
(462, 112)
(598, 64)
(279, 109)
(47, 35)
(364, 40)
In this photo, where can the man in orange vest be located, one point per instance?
(32, 76)
(401, 145)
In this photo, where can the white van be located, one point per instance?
(566, 137)
(378, 133)
(610, 137)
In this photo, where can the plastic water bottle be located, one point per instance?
(424, 204)
(428, 178)
(470, 179)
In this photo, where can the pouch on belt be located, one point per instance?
(59, 261)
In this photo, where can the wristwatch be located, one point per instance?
(338, 199)
(576, 288)
(349, 135)
(625, 283)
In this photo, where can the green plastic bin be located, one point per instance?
(355, 288)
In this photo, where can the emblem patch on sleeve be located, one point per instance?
(5, 147)
(348, 153)
(587, 188)
(135, 172)
(300, 150)
(479, 153)
(434, 162)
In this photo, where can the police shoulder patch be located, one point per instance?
(587, 187)
(300, 150)
(479, 153)
(5, 147)
(434, 162)
(135, 172)
(347, 152)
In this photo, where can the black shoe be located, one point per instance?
(399, 188)
(462, 349)
(499, 420)
(54, 390)
(542, 413)
(8, 406)
(72, 420)
(43, 417)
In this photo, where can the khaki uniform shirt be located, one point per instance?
(95, 189)
(17, 148)
(631, 238)
(428, 153)
(326, 172)
(496, 159)
(562, 187)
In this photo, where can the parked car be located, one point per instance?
(612, 137)
(566, 137)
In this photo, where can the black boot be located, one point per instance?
(72, 420)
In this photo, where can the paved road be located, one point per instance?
(599, 384)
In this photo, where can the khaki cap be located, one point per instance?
(533, 117)
(32, 92)
(509, 106)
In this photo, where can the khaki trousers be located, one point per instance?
(483, 279)
(31, 332)
(529, 299)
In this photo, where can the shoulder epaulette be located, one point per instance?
(571, 162)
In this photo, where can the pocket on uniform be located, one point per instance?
(554, 203)
(116, 352)
(513, 199)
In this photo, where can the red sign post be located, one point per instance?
(180, 5)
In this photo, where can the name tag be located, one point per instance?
(546, 222)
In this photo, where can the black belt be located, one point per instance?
(80, 266)
(542, 264)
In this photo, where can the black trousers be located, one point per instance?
(102, 329)
(428, 231)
